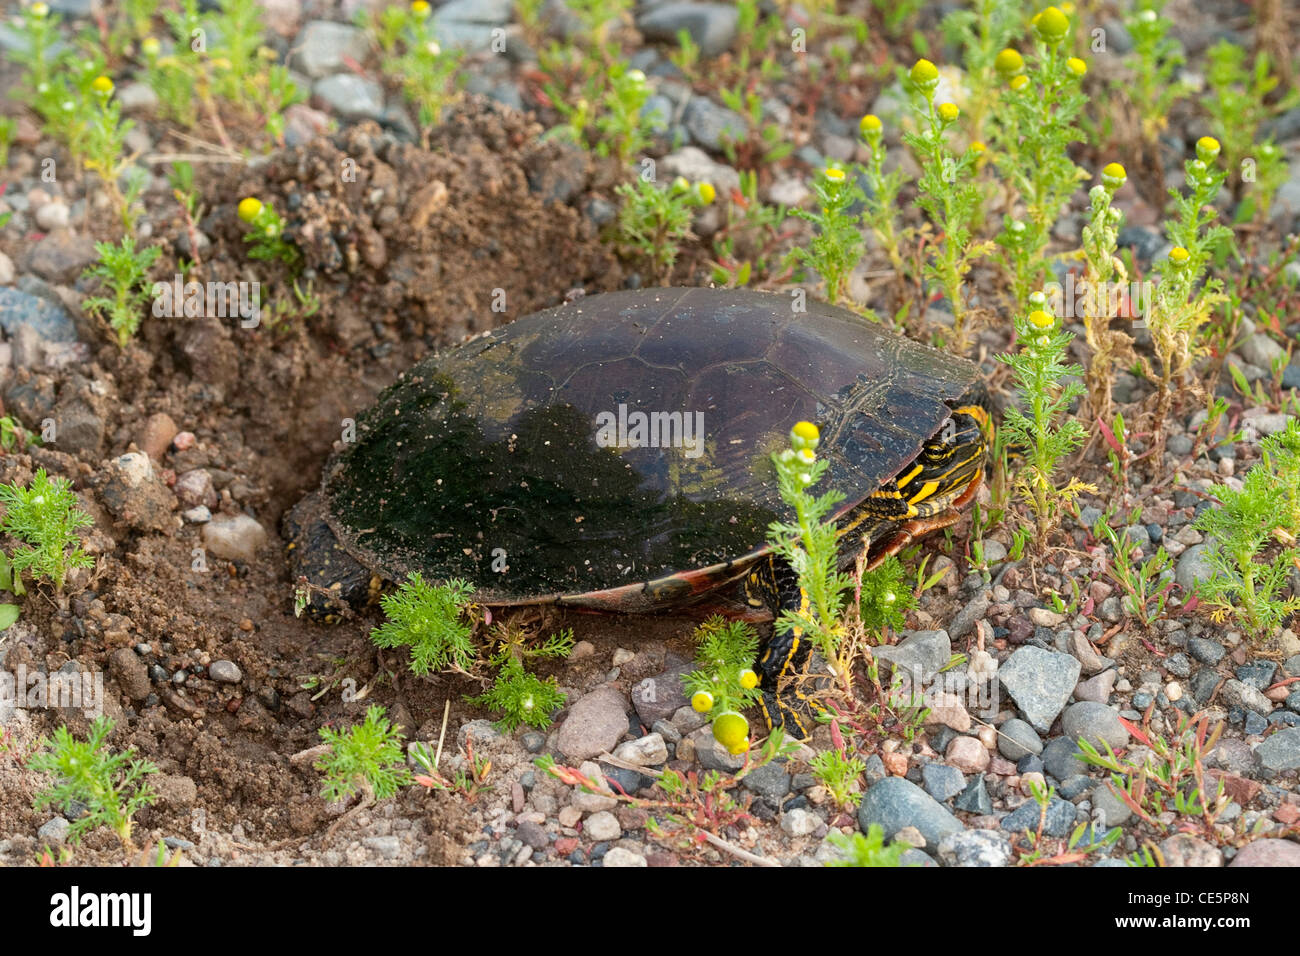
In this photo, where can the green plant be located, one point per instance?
(880, 209)
(884, 600)
(869, 850)
(8, 125)
(110, 786)
(45, 516)
(837, 244)
(840, 775)
(14, 436)
(430, 619)
(621, 126)
(722, 683)
(267, 233)
(427, 72)
(982, 32)
(1153, 89)
(1033, 128)
(748, 236)
(102, 144)
(1169, 776)
(947, 193)
(1243, 584)
(122, 268)
(517, 694)
(1146, 585)
(764, 143)
(369, 756)
(652, 222)
(1043, 431)
(1181, 302)
(1075, 850)
(1102, 281)
(809, 544)
(1239, 102)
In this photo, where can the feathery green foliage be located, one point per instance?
(370, 751)
(430, 619)
(109, 785)
(867, 850)
(46, 517)
(122, 268)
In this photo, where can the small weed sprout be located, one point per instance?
(885, 598)
(109, 785)
(520, 696)
(46, 518)
(880, 213)
(621, 126)
(722, 684)
(1238, 104)
(427, 71)
(367, 756)
(267, 233)
(122, 268)
(431, 620)
(653, 222)
(1044, 428)
(840, 775)
(1153, 88)
(837, 244)
(857, 849)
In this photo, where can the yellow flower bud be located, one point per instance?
(249, 209)
(869, 125)
(1207, 149)
(1018, 83)
(925, 76)
(1009, 62)
(834, 175)
(948, 112)
(1179, 256)
(702, 701)
(1077, 66)
(748, 679)
(731, 730)
(1051, 25)
(805, 435)
(706, 192)
(102, 86)
(150, 46)
(978, 147)
(420, 8)
(1041, 320)
(1113, 176)
(40, 10)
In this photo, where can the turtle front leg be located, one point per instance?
(783, 660)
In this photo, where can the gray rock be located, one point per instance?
(1260, 349)
(645, 751)
(1193, 566)
(770, 781)
(386, 846)
(1185, 850)
(1258, 674)
(350, 96)
(1094, 722)
(1268, 851)
(660, 696)
(1110, 809)
(1016, 740)
(493, 12)
(50, 322)
(975, 798)
(1061, 758)
(602, 826)
(1097, 688)
(799, 822)
(1178, 665)
(1281, 751)
(1059, 821)
(1040, 682)
(711, 754)
(594, 725)
(1205, 650)
(225, 672)
(236, 538)
(324, 47)
(875, 770)
(965, 619)
(919, 655)
(53, 832)
(134, 495)
(622, 857)
(531, 834)
(1240, 694)
(712, 26)
(895, 802)
(712, 125)
(1203, 683)
(698, 167)
(974, 848)
(941, 781)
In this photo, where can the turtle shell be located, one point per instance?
(616, 452)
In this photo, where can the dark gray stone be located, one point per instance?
(1178, 664)
(1059, 822)
(770, 781)
(941, 781)
(1281, 751)
(712, 26)
(1203, 683)
(1061, 758)
(895, 803)
(711, 125)
(975, 798)
(49, 321)
(919, 655)
(1258, 674)
(1017, 740)
(1094, 722)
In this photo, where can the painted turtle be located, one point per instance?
(614, 453)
